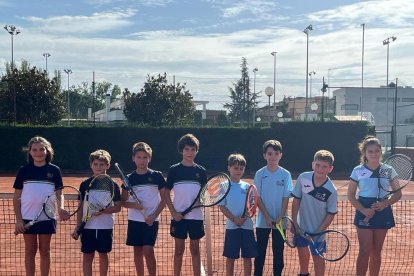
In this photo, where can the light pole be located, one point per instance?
(362, 68)
(269, 92)
(387, 42)
(12, 30)
(274, 78)
(68, 71)
(46, 55)
(306, 31)
(254, 92)
(310, 84)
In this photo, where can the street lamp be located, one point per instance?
(310, 84)
(274, 77)
(46, 55)
(254, 92)
(12, 30)
(387, 42)
(362, 69)
(269, 92)
(68, 71)
(306, 31)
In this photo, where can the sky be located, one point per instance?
(202, 42)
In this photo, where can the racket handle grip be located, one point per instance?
(80, 228)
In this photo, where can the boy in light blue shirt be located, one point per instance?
(274, 186)
(239, 229)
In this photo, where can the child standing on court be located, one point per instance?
(33, 183)
(274, 186)
(98, 231)
(315, 201)
(186, 179)
(142, 230)
(239, 229)
(366, 177)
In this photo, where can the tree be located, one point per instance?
(243, 101)
(38, 98)
(81, 99)
(159, 103)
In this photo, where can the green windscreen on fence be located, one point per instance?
(397, 256)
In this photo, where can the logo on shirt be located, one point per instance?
(197, 175)
(280, 183)
(321, 196)
(149, 179)
(49, 175)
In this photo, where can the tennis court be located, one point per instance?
(398, 254)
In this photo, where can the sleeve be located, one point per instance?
(117, 193)
(161, 181)
(18, 182)
(297, 191)
(288, 186)
(170, 179)
(58, 178)
(332, 203)
(354, 176)
(82, 189)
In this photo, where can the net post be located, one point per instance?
(209, 256)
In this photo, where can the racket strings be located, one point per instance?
(403, 168)
(251, 202)
(290, 231)
(101, 192)
(332, 245)
(214, 191)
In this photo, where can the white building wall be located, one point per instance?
(374, 101)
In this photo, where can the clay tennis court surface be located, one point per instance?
(398, 254)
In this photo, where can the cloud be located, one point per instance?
(147, 3)
(95, 23)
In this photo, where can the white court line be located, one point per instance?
(203, 271)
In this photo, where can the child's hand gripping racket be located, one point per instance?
(398, 170)
(129, 188)
(60, 204)
(287, 230)
(215, 190)
(330, 245)
(98, 197)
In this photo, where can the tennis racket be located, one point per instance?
(215, 190)
(129, 188)
(403, 168)
(68, 201)
(250, 204)
(330, 245)
(98, 197)
(287, 230)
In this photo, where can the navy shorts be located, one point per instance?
(96, 240)
(380, 220)
(187, 227)
(237, 240)
(303, 242)
(42, 227)
(140, 234)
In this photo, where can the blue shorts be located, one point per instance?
(237, 240)
(187, 227)
(96, 240)
(140, 234)
(380, 220)
(303, 242)
(42, 227)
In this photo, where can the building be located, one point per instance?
(375, 101)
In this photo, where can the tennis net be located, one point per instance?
(398, 252)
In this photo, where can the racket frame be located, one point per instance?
(256, 199)
(197, 199)
(279, 226)
(129, 188)
(313, 237)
